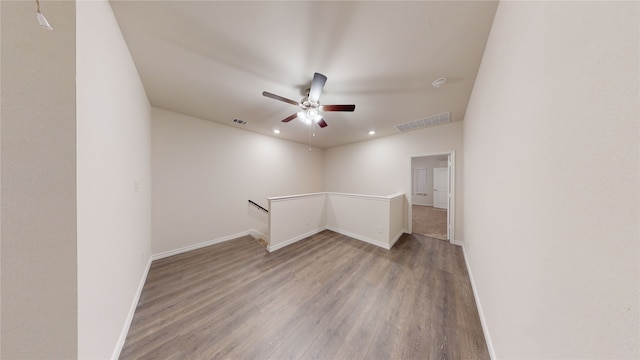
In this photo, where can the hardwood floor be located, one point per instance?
(325, 297)
(429, 221)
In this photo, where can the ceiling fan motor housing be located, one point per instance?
(306, 104)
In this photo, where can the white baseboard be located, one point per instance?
(339, 231)
(294, 239)
(396, 238)
(132, 311)
(258, 235)
(360, 237)
(458, 242)
(199, 245)
(483, 321)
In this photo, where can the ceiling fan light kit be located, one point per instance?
(303, 117)
(310, 105)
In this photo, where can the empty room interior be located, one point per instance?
(319, 180)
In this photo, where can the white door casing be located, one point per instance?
(451, 176)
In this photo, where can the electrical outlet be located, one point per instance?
(380, 229)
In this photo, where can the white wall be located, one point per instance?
(361, 217)
(113, 130)
(396, 214)
(554, 249)
(294, 218)
(38, 192)
(383, 166)
(204, 174)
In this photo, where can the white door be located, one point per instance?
(441, 188)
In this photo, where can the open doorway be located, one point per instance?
(431, 196)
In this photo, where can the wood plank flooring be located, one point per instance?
(325, 297)
(429, 221)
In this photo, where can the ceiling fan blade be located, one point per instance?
(289, 118)
(322, 123)
(316, 87)
(338, 107)
(278, 97)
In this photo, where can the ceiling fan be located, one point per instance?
(311, 108)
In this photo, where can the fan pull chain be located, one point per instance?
(312, 133)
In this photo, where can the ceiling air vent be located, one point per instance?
(422, 123)
(239, 122)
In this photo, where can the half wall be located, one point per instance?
(373, 219)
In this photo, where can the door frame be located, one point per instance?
(451, 211)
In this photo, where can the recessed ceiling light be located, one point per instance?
(371, 132)
(276, 131)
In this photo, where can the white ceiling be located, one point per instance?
(213, 59)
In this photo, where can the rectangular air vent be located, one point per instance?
(422, 123)
(239, 122)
